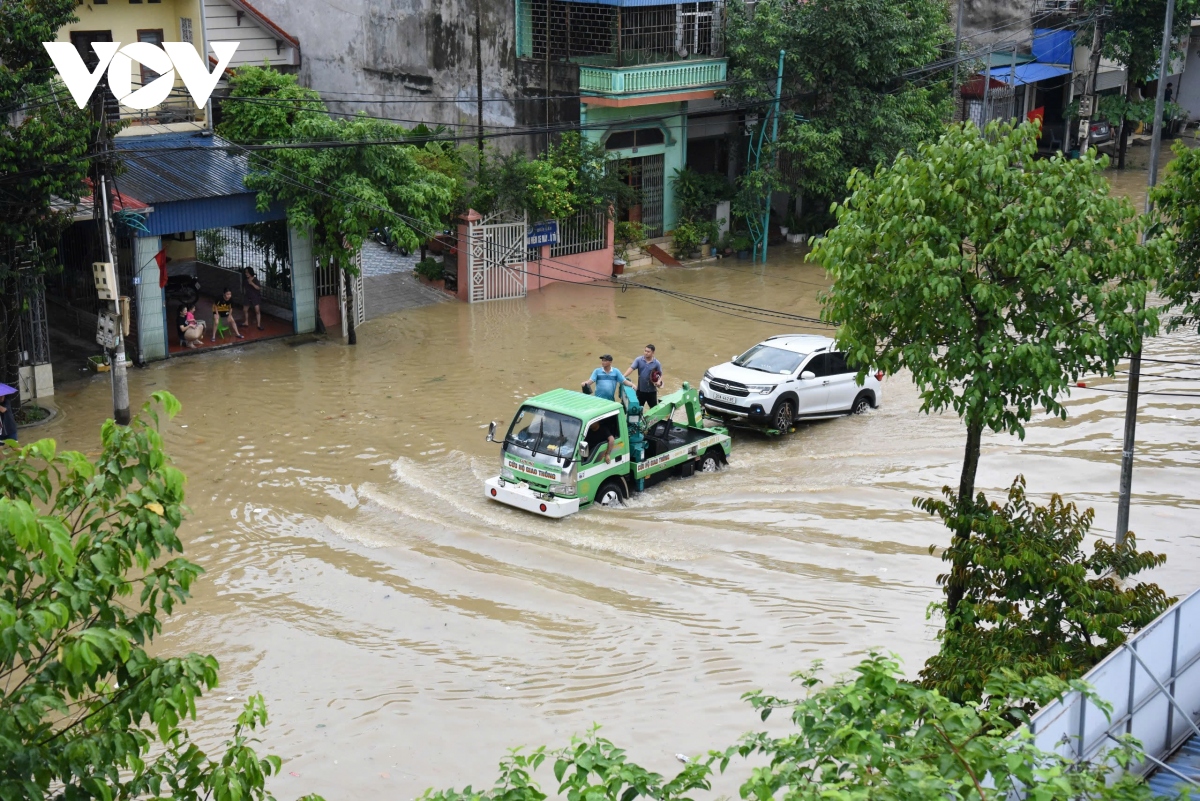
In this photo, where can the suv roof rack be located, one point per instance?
(781, 336)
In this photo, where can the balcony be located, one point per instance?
(652, 79)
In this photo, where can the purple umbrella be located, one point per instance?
(5, 389)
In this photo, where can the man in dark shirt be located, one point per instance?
(649, 371)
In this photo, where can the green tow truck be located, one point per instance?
(565, 450)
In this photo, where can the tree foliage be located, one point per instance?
(1035, 603)
(881, 738)
(43, 141)
(1133, 31)
(575, 174)
(1177, 198)
(847, 98)
(997, 279)
(92, 564)
(343, 191)
(870, 737)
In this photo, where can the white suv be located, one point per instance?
(787, 378)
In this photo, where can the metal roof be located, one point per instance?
(1030, 73)
(572, 403)
(162, 168)
(1180, 771)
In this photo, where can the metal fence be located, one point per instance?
(261, 246)
(1152, 683)
(614, 36)
(583, 232)
(1001, 105)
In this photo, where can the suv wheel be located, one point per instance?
(783, 416)
(862, 404)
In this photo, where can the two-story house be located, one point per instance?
(639, 69)
(194, 21)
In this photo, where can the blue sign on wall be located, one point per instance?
(542, 233)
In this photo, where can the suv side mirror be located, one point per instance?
(491, 437)
(807, 375)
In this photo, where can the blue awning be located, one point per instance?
(1030, 73)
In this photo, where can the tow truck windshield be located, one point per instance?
(544, 432)
(766, 359)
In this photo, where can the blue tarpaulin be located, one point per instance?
(1053, 46)
(1030, 73)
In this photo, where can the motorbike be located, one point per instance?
(183, 288)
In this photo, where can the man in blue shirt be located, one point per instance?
(605, 379)
(649, 371)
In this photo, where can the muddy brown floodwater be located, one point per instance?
(406, 632)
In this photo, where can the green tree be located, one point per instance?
(848, 99)
(1178, 200)
(997, 279)
(92, 564)
(882, 738)
(264, 105)
(1132, 35)
(1034, 602)
(43, 144)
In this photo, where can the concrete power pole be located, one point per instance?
(1135, 359)
(120, 385)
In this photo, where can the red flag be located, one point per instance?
(161, 258)
(1038, 115)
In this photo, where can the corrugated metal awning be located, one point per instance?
(162, 168)
(1030, 73)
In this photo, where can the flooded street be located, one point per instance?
(406, 632)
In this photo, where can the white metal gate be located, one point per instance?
(496, 260)
(358, 303)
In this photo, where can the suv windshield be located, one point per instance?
(545, 432)
(770, 360)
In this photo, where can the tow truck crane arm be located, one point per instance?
(687, 398)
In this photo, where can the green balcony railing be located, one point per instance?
(674, 77)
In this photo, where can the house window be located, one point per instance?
(185, 29)
(620, 140)
(154, 37)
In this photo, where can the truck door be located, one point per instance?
(842, 386)
(594, 469)
(813, 393)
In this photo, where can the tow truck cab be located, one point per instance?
(556, 457)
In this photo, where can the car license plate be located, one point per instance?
(717, 396)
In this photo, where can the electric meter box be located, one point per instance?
(105, 278)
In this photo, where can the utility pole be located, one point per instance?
(1135, 359)
(1093, 79)
(958, 43)
(985, 115)
(479, 71)
(120, 385)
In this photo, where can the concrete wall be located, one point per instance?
(151, 301)
(418, 54)
(594, 264)
(304, 281)
(998, 22)
(1187, 85)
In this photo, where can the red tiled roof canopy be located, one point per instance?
(973, 87)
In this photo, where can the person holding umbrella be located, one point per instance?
(8, 422)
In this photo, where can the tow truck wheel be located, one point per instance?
(709, 463)
(862, 404)
(611, 493)
(784, 416)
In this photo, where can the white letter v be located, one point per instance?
(196, 77)
(74, 72)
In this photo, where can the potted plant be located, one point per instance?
(99, 363)
(741, 244)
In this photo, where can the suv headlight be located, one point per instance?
(707, 376)
(761, 389)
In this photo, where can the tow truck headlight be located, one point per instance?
(761, 389)
(507, 474)
(562, 489)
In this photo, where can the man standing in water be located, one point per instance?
(605, 379)
(649, 371)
